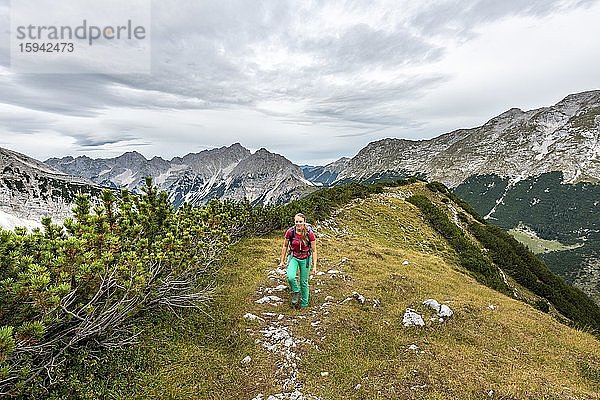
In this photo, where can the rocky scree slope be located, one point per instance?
(30, 190)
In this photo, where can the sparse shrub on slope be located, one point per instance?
(317, 206)
(440, 187)
(470, 256)
(79, 287)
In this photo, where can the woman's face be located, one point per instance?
(298, 222)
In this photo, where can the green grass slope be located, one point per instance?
(493, 347)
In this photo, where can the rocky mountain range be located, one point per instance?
(516, 144)
(537, 169)
(228, 172)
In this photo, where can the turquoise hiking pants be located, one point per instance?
(292, 270)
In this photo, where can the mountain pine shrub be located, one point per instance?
(78, 288)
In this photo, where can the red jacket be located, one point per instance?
(299, 249)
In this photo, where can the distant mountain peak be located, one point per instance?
(582, 96)
(325, 175)
(132, 156)
(228, 172)
(237, 145)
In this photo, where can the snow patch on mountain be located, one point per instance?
(125, 178)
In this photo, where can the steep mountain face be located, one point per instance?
(397, 158)
(228, 172)
(326, 175)
(516, 144)
(30, 190)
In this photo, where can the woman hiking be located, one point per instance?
(300, 243)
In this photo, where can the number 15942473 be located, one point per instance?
(46, 47)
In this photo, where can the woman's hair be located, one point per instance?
(303, 230)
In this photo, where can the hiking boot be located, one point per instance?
(296, 299)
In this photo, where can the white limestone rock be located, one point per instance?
(251, 317)
(279, 288)
(433, 304)
(359, 297)
(442, 310)
(445, 311)
(411, 318)
(269, 299)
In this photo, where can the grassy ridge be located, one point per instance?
(470, 256)
(514, 350)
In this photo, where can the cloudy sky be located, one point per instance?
(311, 80)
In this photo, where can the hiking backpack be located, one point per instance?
(293, 235)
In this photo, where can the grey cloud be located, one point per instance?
(4, 33)
(23, 125)
(96, 142)
(233, 23)
(212, 53)
(200, 52)
(373, 103)
(362, 46)
(87, 95)
(362, 133)
(98, 137)
(459, 17)
(186, 65)
(485, 10)
(73, 95)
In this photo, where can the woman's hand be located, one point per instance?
(281, 264)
